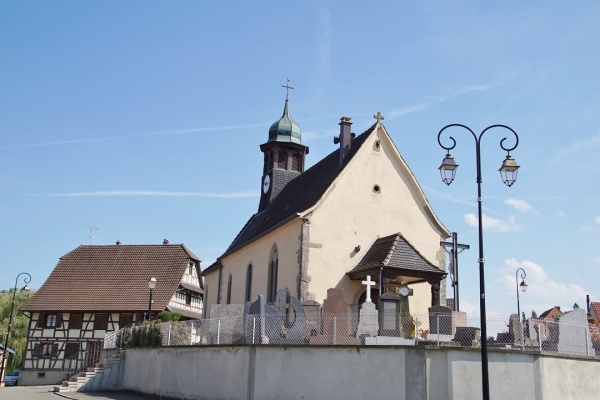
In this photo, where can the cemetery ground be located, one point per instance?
(45, 393)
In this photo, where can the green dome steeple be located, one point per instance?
(285, 129)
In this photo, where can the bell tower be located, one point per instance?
(284, 155)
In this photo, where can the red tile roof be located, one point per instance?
(550, 314)
(595, 306)
(113, 278)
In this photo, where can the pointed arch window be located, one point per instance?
(296, 162)
(249, 283)
(282, 161)
(272, 276)
(229, 289)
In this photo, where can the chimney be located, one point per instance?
(345, 138)
(118, 242)
(165, 242)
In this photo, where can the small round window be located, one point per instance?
(377, 189)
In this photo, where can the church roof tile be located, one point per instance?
(300, 194)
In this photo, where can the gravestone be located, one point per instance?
(468, 336)
(335, 321)
(389, 321)
(573, 333)
(368, 318)
(440, 324)
(516, 330)
(312, 311)
(226, 324)
(260, 318)
(292, 320)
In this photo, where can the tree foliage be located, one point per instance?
(18, 330)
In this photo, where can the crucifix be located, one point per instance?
(287, 88)
(378, 117)
(368, 283)
(455, 249)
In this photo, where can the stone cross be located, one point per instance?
(378, 117)
(368, 283)
(282, 305)
(287, 88)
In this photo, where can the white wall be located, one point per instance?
(349, 372)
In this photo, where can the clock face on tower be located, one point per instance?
(266, 184)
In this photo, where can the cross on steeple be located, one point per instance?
(287, 88)
(378, 117)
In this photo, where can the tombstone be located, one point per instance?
(335, 323)
(468, 336)
(260, 318)
(368, 318)
(226, 324)
(291, 326)
(312, 311)
(573, 333)
(516, 330)
(440, 324)
(389, 322)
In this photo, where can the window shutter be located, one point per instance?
(40, 321)
(36, 350)
(54, 350)
(59, 320)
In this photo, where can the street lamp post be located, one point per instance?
(151, 285)
(508, 171)
(24, 290)
(523, 287)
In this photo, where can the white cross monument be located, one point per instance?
(368, 283)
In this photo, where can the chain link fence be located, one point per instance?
(441, 329)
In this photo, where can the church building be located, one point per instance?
(359, 213)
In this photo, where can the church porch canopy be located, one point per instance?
(398, 261)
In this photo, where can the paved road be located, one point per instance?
(44, 393)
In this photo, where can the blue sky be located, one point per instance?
(144, 119)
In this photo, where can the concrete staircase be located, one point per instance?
(105, 376)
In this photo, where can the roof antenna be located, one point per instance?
(92, 229)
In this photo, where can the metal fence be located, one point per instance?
(350, 329)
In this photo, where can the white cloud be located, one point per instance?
(562, 214)
(493, 224)
(521, 205)
(147, 134)
(597, 220)
(450, 94)
(585, 145)
(151, 193)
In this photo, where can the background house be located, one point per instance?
(98, 289)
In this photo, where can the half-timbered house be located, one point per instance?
(98, 289)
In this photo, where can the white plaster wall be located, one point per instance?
(190, 373)
(348, 372)
(329, 373)
(567, 378)
(353, 214)
(258, 254)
